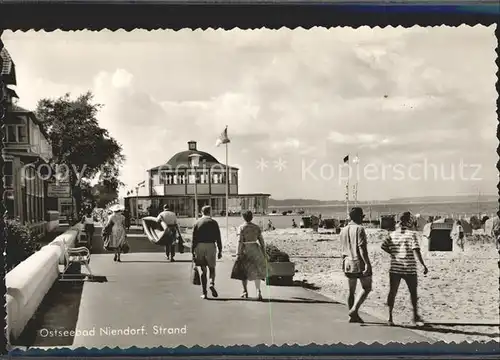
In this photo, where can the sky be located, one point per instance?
(416, 105)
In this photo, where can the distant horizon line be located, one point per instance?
(406, 199)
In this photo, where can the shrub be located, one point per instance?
(475, 223)
(276, 255)
(21, 243)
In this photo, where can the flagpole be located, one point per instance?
(347, 199)
(227, 193)
(347, 187)
(357, 183)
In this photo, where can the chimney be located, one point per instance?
(192, 145)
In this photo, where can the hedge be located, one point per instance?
(21, 243)
(276, 255)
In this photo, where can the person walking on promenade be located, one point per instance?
(88, 223)
(126, 213)
(402, 245)
(251, 263)
(356, 263)
(206, 234)
(172, 231)
(115, 232)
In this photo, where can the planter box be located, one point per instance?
(281, 273)
(281, 268)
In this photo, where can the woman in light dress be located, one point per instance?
(252, 258)
(115, 228)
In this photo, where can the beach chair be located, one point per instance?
(440, 236)
(75, 256)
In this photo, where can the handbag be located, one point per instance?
(125, 248)
(238, 272)
(195, 275)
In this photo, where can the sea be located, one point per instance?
(373, 212)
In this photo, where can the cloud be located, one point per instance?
(301, 95)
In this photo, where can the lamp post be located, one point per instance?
(194, 160)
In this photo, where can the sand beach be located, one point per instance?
(458, 297)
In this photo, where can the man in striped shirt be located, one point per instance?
(402, 245)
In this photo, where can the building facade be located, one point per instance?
(26, 154)
(176, 182)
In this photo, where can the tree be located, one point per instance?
(78, 142)
(106, 192)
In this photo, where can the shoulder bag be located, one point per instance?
(195, 275)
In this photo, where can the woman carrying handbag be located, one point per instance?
(251, 263)
(115, 234)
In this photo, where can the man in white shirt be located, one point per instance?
(460, 235)
(170, 220)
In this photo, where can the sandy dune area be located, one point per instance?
(459, 296)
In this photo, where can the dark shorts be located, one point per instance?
(410, 279)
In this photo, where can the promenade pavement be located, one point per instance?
(146, 293)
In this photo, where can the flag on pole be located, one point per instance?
(356, 159)
(222, 139)
(346, 159)
(142, 183)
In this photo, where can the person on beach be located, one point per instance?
(88, 223)
(355, 262)
(270, 225)
(294, 224)
(459, 235)
(251, 263)
(115, 233)
(206, 234)
(402, 245)
(172, 232)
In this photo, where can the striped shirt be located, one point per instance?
(400, 244)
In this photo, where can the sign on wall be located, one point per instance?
(58, 190)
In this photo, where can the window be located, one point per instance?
(8, 181)
(22, 135)
(8, 174)
(192, 176)
(17, 134)
(11, 133)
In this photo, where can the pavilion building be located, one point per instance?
(177, 183)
